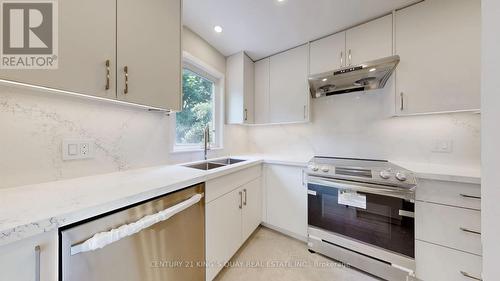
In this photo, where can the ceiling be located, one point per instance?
(265, 27)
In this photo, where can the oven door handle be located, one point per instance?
(366, 188)
(103, 239)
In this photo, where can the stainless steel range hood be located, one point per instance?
(363, 77)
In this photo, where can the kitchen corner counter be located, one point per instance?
(443, 172)
(29, 210)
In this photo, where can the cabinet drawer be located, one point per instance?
(220, 186)
(436, 263)
(447, 226)
(464, 195)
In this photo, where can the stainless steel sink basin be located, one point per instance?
(209, 165)
(227, 161)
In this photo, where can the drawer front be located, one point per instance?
(448, 226)
(436, 263)
(217, 187)
(457, 194)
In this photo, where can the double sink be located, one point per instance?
(213, 164)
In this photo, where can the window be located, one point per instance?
(200, 108)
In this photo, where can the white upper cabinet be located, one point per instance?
(84, 47)
(239, 89)
(327, 54)
(289, 90)
(369, 41)
(439, 42)
(149, 52)
(261, 110)
(145, 36)
(366, 42)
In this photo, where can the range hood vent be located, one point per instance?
(363, 77)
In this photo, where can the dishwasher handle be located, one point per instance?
(102, 239)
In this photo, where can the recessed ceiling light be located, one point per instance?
(218, 28)
(325, 79)
(281, 0)
(373, 69)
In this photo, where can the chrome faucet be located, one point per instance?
(206, 138)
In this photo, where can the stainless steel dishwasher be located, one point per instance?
(161, 239)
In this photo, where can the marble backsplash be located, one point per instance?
(34, 123)
(360, 125)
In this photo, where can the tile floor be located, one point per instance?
(271, 256)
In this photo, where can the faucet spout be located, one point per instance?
(206, 138)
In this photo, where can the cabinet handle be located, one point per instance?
(470, 276)
(402, 101)
(126, 80)
(37, 263)
(350, 57)
(108, 73)
(470, 231)
(246, 114)
(341, 58)
(305, 112)
(241, 200)
(470, 196)
(245, 200)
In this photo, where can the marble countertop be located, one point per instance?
(29, 210)
(33, 209)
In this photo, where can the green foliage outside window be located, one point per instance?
(197, 108)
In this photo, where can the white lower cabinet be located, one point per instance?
(286, 199)
(437, 263)
(33, 259)
(231, 218)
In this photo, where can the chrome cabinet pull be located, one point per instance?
(108, 73)
(402, 101)
(341, 59)
(245, 200)
(470, 231)
(241, 199)
(126, 80)
(350, 57)
(38, 252)
(305, 112)
(470, 276)
(470, 196)
(246, 114)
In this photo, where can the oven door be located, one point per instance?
(371, 214)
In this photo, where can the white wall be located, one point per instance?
(33, 124)
(490, 103)
(359, 125)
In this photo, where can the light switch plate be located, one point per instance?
(443, 146)
(73, 149)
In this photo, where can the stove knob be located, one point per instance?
(401, 176)
(385, 174)
(313, 167)
(325, 169)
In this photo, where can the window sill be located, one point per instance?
(192, 150)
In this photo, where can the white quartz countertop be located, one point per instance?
(33, 209)
(443, 172)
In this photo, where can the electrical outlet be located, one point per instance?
(443, 146)
(73, 149)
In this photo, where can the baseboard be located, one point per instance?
(285, 232)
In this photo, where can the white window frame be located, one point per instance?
(199, 67)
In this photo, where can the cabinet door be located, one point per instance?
(261, 109)
(149, 52)
(223, 231)
(286, 199)
(248, 90)
(369, 41)
(289, 90)
(252, 207)
(84, 47)
(327, 54)
(239, 89)
(21, 260)
(439, 42)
